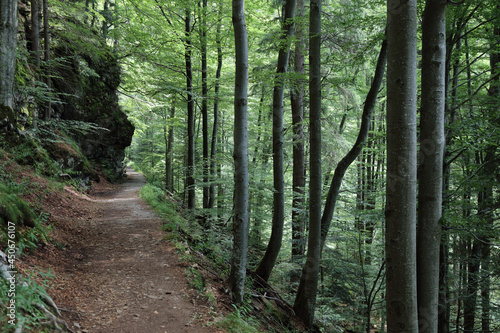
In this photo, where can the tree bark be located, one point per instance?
(213, 147)
(204, 104)
(190, 184)
(169, 141)
(240, 222)
(268, 261)
(470, 300)
(35, 32)
(46, 37)
(305, 301)
(297, 104)
(430, 172)
(487, 196)
(444, 315)
(401, 285)
(8, 49)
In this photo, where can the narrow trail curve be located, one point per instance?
(131, 279)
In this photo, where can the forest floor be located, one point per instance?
(113, 270)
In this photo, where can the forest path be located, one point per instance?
(123, 276)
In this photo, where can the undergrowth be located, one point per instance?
(27, 296)
(19, 222)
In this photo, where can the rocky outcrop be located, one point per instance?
(86, 80)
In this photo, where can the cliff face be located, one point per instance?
(73, 88)
(86, 82)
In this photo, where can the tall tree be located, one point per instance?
(190, 182)
(305, 301)
(240, 197)
(8, 49)
(204, 102)
(267, 263)
(215, 129)
(46, 41)
(430, 164)
(400, 213)
(350, 157)
(297, 106)
(491, 166)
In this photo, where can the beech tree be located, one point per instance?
(430, 174)
(401, 205)
(190, 182)
(305, 301)
(266, 265)
(240, 219)
(297, 106)
(46, 46)
(215, 128)
(204, 102)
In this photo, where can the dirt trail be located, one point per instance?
(123, 276)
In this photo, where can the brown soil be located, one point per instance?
(115, 272)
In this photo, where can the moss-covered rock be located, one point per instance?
(87, 83)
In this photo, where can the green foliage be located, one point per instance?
(56, 130)
(164, 206)
(29, 151)
(17, 216)
(196, 279)
(28, 293)
(14, 209)
(239, 321)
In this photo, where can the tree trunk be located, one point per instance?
(8, 49)
(401, 285)
(268, 261)
(169, 141)
(46, 37)
(487, 198)
(430, 174)
(305, 301)
(297, 105)
(240, 222)
(256, 230)
(191, 200)
(444, 316)
(204, 104)
(35, 31)
(470, 300)
(213, 147)
(106, 16)
(351, 156)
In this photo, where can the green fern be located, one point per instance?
(14, 209)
